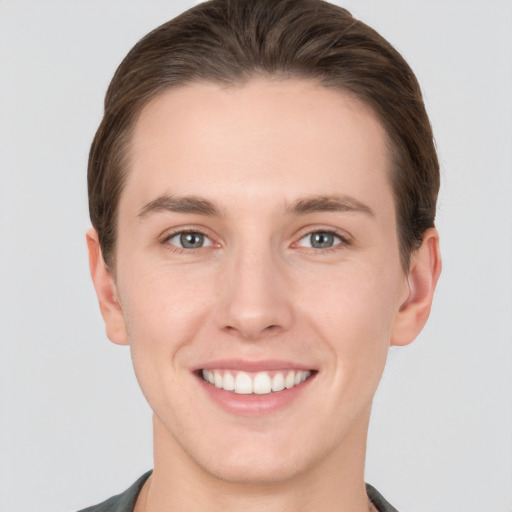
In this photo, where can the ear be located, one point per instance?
(424, 271)
(106, 291)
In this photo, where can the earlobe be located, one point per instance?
(424, 271)
(106, 291)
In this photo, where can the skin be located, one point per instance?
(257, 290)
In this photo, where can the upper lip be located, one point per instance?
(252, 366)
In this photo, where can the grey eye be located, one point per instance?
(320, 240)
(190, 240)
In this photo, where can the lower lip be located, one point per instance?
(254, 405)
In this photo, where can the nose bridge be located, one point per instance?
(254, 292)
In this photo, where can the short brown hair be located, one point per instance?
(231, 41)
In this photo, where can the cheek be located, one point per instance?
(164, 310)
(353, 298)
(354, 314)
(164, 313)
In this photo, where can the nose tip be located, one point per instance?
(255, 300)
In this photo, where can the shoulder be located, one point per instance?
(378, 500)
(124, 502)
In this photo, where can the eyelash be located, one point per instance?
(176, 249)
(344, 241)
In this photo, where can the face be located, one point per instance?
(258, 274)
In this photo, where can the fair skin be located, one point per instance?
(290, 263)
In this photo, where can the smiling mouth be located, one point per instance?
(259, 383)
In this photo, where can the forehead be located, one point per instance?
(266, 138)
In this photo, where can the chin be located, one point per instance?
(259, 470)
(259, 458)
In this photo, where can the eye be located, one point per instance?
(189, 240)
(320, 240)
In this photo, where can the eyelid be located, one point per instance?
(336, 240)
(343, 236)
(170, 234)
(206, 238)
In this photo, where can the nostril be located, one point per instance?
(253, 332)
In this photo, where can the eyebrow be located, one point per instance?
(179, 204)
(302, 206)
(319, 203)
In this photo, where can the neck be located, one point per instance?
(335, 483)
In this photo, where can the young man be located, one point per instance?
(262, 190)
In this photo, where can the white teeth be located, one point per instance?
(229, 382)
(260, 384)
(217, 379)
(243, 384)
(278, 382)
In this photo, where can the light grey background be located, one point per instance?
(74, 426)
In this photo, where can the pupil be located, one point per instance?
(191, 240)
(322, 240)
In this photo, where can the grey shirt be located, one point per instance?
(125, 502)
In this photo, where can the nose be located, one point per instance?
(255, 295)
